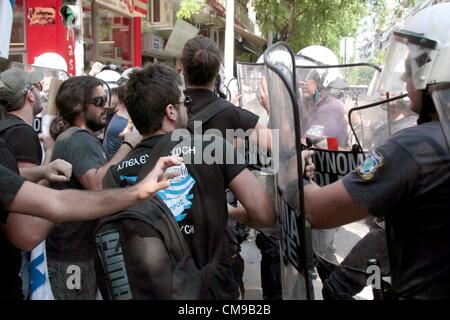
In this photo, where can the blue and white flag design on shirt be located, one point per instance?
(6, 20)
(178, 196)
(39, 283)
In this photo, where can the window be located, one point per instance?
(114, 38)
(18, 28)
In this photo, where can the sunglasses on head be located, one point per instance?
(187, 101)
(37, 85)
(99, 101)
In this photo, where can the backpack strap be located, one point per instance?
(208, 112)
(68, 133)
(161, 149)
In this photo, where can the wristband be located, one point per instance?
(128, 144)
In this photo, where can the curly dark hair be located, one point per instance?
(201, 60)
(73, 98)
(57, 126)
(150, 90)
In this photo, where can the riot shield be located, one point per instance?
(341, 121)
(249, 76)
(50, 85)
(250, 80)
(296, 253)
(380, 120)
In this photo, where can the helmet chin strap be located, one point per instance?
(427, 109)
(317, 95)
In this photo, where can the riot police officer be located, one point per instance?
(407, 178)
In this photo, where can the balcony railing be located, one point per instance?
(240, 14)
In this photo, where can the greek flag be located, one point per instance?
(39, 283)
(6, 19)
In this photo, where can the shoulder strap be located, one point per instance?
(209, 111)
(9, 123)
(162, 148)
(66, 134)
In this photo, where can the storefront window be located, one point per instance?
(88, 40)
(114, 38)
(18, 28)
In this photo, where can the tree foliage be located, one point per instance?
(307, 22)
(188, 8)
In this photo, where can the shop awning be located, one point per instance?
(251, 37)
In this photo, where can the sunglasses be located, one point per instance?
(187, 101)
(99, 101)
(28, 87)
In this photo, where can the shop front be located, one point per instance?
(112, 31)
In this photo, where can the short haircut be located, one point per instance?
(74, 95)
(150, 90)
(201, 60)
(122, 93)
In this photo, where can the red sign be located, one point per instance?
(41, 16)
(50, 37)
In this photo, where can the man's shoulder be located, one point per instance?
(12, 120)
(13, 126)
(422, 140)
(75, 135)
(417, 134)
(135, 158)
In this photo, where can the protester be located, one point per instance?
(81, 102)
(29, 203)
(120, 117)
(20, 98)
(157, 107)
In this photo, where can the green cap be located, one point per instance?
(14, 83)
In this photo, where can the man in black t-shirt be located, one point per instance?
(196, 197)
(19, 196)
(81, 102)
(11, 182)
(201, 61)
(20, 97)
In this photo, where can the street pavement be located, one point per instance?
(345, 238)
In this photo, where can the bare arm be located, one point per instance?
(26, 232)
(92, 179)
(58, 206)
(259, 208)
(262, 136)
(331, 206)
(55, 171)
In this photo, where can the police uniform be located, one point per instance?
(407, 180)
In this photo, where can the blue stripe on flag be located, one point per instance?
(37, 277)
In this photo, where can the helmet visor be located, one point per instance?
(410, 57)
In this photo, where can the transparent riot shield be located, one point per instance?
(249, 76)
(380, 120)
(250, 82)
(296, 252)
(50, 84)
(342, 120)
